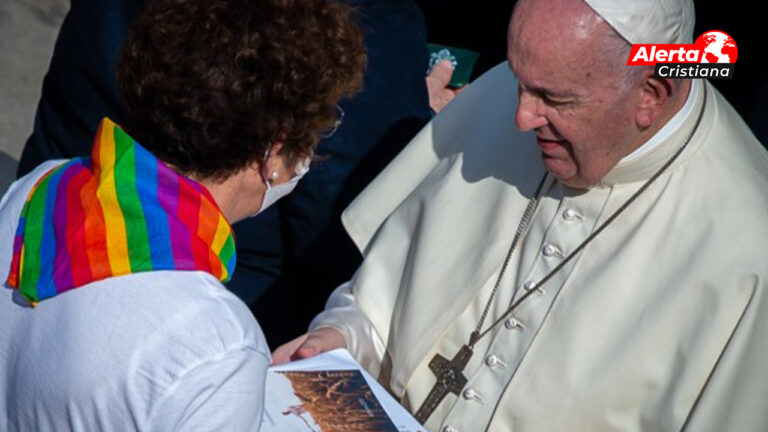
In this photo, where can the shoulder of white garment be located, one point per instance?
(492, 95)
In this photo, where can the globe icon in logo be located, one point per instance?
(717, 47)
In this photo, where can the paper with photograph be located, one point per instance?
(330, 393)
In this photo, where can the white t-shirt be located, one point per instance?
(156, 351)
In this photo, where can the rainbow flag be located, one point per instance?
(118, 212)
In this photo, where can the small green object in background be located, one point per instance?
(463, 62)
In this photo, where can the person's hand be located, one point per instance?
(309, 345)
(437, 86)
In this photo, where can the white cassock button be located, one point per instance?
(528, 285)
(512, 323)
(449, 428)
(469, 394)
(550, 250)
(570, 214)
(495, 362)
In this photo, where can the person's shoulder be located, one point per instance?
(10, 209)
(126, 341)
(732, 135)
(197, 306)
(731, 157)
(185, 318)
(19, 189)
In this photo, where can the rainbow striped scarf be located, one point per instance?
(118, 212)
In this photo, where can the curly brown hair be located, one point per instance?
(210, 84)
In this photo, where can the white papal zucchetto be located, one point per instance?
(649, 21)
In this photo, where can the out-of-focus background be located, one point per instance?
(28, 30)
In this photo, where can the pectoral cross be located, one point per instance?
(450, 379)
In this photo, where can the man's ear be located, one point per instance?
(655, 95)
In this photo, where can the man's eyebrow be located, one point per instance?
(542, 90)
(549, 92)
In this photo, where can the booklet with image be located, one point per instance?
(330, 393)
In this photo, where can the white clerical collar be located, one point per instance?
(666, 131)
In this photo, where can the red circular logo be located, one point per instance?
(717, 47)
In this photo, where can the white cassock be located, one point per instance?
(659, 324)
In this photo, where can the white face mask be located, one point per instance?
(274, 193)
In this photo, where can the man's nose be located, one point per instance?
(528, 115)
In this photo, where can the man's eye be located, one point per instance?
(555, 100)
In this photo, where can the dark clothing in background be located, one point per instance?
(79, 88)
(758, 116)
(292, 256)
(478, 26)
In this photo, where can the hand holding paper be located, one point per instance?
(309, 345)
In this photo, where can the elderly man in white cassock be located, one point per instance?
(571, 245)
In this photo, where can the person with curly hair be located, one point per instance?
(116, 317)
(297, 248)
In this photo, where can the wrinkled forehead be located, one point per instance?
(546, 36)
(552, 24)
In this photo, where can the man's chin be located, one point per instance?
(564, 172)
(560, 168)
